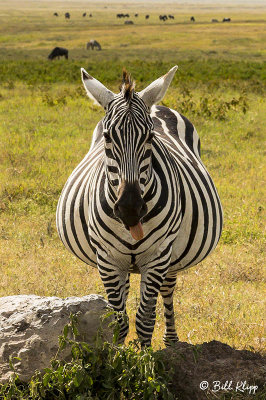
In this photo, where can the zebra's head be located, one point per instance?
(128, 134)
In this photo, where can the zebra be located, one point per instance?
(141, 201)
(93, 43)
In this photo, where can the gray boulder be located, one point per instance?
(30, 326)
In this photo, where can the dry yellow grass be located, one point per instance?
(40, 144)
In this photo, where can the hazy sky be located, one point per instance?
(228, 2)
(183, 2)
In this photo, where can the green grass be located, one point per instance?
(192, 70)
(47, 123)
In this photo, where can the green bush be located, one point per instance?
(105, 371)
(209, 106)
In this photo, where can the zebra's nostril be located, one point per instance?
(144, 209)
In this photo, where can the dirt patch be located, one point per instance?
(221, 371)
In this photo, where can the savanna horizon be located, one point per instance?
(48, 122)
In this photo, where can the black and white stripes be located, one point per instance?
(142, 178)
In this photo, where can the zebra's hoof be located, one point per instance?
(169, 342)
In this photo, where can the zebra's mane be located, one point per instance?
(127, 86)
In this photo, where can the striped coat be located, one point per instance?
(183, 215)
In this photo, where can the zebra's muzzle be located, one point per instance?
(130, 208)
(128, 215)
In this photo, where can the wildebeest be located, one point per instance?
(56, 14)
(214, 20)
(121, 15)
(58, 52)
(171, 17)
(192, 19)
(227, 20)
(93, 43)
(128, 22)
(147, 16)
(136, 15)
(90, 15)
(84, 14)
(67, 15)
(163, 17)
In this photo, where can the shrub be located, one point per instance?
(209, 106)
(105, 371)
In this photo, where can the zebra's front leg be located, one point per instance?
(151, 282)
(116, 284)
(146, 314)
(167, 292)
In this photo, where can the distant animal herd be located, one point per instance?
(58, 52)
(161, 17)
(67, 15)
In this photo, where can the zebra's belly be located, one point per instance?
(87, 229)
(73, 229)
(197, 236)
(118, 246)
(187, 250)
(76, 241)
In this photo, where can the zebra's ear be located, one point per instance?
(155, 92)
(96, 90)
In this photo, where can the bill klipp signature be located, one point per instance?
(240, 386)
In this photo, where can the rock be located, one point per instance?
(217, 364)
(30, 326)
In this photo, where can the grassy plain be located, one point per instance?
(46, 126)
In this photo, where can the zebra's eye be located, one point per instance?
(107, 137)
